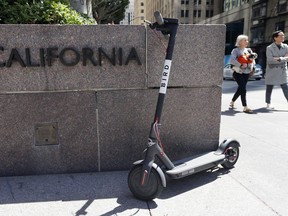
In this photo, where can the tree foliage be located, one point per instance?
(40, 12)
(109, 11)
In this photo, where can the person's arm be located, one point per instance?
(284, 58)
(275, 60)
(233, 58)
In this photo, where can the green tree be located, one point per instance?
(40, 12)
(108, 11)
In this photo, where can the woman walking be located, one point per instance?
(243, 61)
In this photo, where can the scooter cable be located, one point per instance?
(157, 34)
(156, 130)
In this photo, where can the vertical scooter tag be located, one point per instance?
(165, 77)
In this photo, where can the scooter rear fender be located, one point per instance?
(225, 144)
(157, 168)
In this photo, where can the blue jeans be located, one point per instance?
(269, 89)
(241, 80)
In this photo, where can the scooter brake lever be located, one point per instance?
(151, 25)
(148, 22)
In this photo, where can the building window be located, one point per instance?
(197, 2)
(230, 4)
(282, 6)
(259, 11)
(184, 13)
(142, 4)
(185, 2)
(197, 13)
(227, 5)
(280, 26)
(258, 35)
(209, 13)
(209, 2)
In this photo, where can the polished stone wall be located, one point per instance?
(60, 113)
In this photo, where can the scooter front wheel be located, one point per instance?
(151, 190)
(231, 153)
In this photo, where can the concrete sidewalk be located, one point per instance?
(256, 186)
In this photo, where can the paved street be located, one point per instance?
(256, 186)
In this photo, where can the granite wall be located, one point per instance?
(82, 98)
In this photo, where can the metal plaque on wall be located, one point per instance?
(46, 134)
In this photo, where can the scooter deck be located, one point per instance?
(195, 164)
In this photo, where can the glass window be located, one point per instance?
(259, 11)
(258, 35)
(209, 13)
(282, 6)
(280, 26)
(197, 13)
(184, 13)
(209, 2)
(227, 5)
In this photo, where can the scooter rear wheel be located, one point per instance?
(232, 154)
(151, 190)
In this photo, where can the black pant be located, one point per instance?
(269, 89)
(241, 80)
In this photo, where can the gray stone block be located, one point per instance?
(61, 118)
(198, 57)
(62, 77)
(120, 120)
(190, 123)
(76, 149)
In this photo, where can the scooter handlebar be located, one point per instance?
(159, 18)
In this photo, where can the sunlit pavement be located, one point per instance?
(256, 186)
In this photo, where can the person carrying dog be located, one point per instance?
(243, 61)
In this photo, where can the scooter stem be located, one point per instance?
(170, 27)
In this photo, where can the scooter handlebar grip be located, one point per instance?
(159, 18)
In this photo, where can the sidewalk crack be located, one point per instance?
(10, 189)
(257, 197)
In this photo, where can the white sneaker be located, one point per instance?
(247, 110)
(231, 105)
(268, 106)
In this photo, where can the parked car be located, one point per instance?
(258, 75)
(228, 72)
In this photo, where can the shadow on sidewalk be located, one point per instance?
(230, 112)
(91, 188)
(265, 110)
(178, 186)
(124, 205)
(233, 112)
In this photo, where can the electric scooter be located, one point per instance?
(147, 179)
